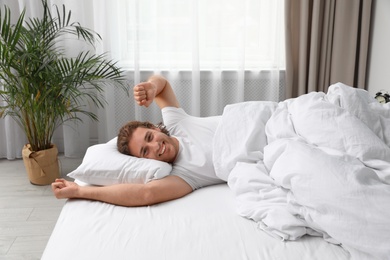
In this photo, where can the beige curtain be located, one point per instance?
(326, 42)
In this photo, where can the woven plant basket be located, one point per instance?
(42, 166)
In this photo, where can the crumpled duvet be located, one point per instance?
(314, 165)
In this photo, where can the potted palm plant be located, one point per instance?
(42, 88)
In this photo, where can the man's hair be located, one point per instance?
(126, 132)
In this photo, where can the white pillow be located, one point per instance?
(104, 165)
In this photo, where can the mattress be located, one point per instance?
(201, 225)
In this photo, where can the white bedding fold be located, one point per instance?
(318, 164)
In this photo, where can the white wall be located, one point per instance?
(378, 77)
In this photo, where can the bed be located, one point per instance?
(307, 178)
(202, 225)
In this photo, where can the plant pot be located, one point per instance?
(42, 166)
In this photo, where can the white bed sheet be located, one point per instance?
(202, 225)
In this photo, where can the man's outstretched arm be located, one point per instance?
(129, 194)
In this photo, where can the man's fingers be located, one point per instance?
(140, 87)
(142, 95)
(139, 92)
(58, 184)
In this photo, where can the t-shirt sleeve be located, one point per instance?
(188, 179)
(173, 115)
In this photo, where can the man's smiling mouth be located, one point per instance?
(162, 150)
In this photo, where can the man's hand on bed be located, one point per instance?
(64, 189)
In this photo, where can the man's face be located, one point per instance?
(153, 144)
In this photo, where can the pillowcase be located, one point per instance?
(104, 165)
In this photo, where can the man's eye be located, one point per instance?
(150, 138)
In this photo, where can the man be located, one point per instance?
(188, 149)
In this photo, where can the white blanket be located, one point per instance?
(318, 164)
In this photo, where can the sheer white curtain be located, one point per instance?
(213, 52)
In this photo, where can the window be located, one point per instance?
(209, 34)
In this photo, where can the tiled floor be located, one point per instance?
(28, 212)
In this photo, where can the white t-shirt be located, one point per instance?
(194, 163)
